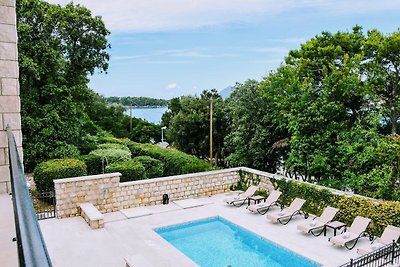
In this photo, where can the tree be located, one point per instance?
(253, 129)
(320, 94)
(383, 64)
(58, 48)
(188, 123)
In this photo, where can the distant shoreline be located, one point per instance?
(133, 107)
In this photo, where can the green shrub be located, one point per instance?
(154, 167)
(131, 170)
(113, 146)
(175, 162)
(47, 171)
(64, 150)
(99, 159)
(381, 213)
(114, 140)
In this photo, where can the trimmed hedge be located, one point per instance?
(175, 162)
(98, 159)
(131, 170)
(381, 213)
(113, 146)
(154, 167)
(47, 171)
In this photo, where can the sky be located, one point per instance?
(169, 48)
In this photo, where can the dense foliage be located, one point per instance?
(175, 162)
(381, 213)
(153, 167)
(137, 101)
(48, 171)
(130, 170)
(58, 48)
(329, 114)
(188, 125)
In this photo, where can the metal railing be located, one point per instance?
(384, 256)
(32, 249)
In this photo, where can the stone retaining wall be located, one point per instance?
(107, 194)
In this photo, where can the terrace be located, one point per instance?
(132, 210)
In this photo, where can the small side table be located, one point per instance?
(336, 225)
(256, 199)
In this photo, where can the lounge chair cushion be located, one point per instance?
(271, 200)
(310, 225)
(243, 196)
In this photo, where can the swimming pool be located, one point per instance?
(218, 242)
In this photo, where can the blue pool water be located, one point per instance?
(218, 242)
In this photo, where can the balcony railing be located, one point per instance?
(388, 255)
(32, 249)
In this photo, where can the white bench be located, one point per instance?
(92, 215)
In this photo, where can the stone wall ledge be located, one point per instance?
(86, 178)
(181, 176)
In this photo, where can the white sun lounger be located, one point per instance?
(357, 229)
(240, 199)
(286, 214)
(263, 207)
(318, 223)
(390, 234)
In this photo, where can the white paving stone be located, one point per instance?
(136, 212)
(71, 243)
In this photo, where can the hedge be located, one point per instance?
(131, 170)
(154, 167)
(47, 171)
(113, 146)
(175, 162)
(98, 159)
(382, 213)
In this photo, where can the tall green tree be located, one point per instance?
(254, 132)
(188, 125)
(320, 94)
(383, 64)
(58, 48)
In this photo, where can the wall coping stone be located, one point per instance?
(85, 178)
(181, 176)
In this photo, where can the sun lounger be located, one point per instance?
(263, 207)
(318, 223)
(286, 214)
(390, 234)
(240, 199)
(357, 230)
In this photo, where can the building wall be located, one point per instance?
(9, 88)
(107, 194)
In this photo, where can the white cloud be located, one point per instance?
(172, 86)
(159, 15)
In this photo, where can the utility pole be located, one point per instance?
(211, 131)
(130, 114)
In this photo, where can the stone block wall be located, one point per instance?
(106, 193)
(100, 190)
(9, 88)
(150, 192)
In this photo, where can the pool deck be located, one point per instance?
(129, 234)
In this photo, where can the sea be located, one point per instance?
(152, 115)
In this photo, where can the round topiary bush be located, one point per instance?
(99, 159)
(154, 167)
(131, 170)
(47, 171)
